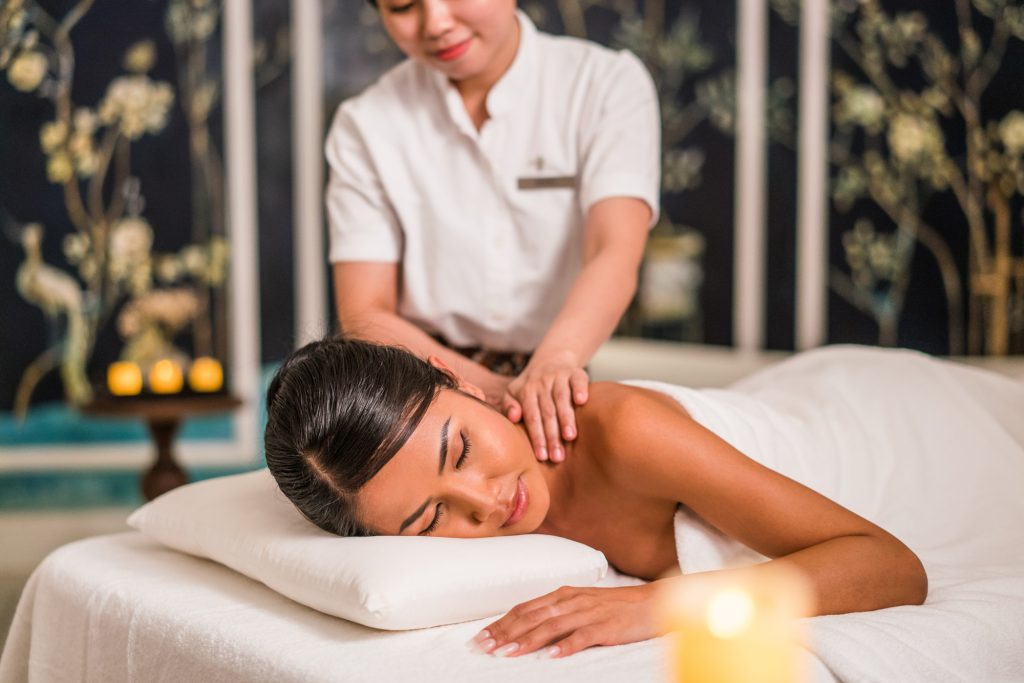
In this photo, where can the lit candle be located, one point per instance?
(165, 377)
(124, 378)
(737, 626)
(205, 375)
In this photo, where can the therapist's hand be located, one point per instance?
(544, 396)
(495, 388)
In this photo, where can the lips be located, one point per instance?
(453, 52)
(520, 503)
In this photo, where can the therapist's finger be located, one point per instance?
(564, 408)
(511, 407)
(549, 417)
(534, 425)
(580, 383)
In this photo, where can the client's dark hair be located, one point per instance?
(337, 411)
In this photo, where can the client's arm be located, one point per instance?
(852, 565)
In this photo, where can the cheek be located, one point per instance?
(490, 18)
(540, 500)
(404, 34)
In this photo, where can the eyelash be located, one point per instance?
(437, 520)
(401, 8)
(466, 447)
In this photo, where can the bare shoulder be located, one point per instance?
(619, 423)
(618, 405)
(611, 396)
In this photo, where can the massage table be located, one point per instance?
(124, 608)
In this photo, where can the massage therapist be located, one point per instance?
(489, 200)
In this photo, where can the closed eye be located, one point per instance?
(466, 446)
(432, 527)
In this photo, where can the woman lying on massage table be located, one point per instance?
(367, 439)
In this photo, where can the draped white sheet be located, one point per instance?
(932, 451)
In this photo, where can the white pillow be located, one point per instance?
(388, 582)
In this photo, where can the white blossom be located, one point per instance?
(863, 106)
(76, 245)
(137, 104)
(194, 259)
(171, 309)
(1011, 130)
(130, 242)
(85, 120)
(140, 57)
(913, 137)
(52, 135)
(59, 168)
(168, 269)
(27, 70)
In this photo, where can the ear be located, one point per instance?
(462, 383)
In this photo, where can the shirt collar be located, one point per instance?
(510, 87)
(507, 91)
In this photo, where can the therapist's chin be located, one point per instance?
(463, 68)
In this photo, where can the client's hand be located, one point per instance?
(572, 619)
(544, 397)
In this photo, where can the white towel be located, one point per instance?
(932, 451)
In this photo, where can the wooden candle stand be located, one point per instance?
(163, 416)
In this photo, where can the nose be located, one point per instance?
(437, 19)
(480, 500)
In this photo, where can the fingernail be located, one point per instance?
(486, 646)
(570, 433)
(550, 652)
(506, 650)
(542, 453)
(483, 635)
(557, 455)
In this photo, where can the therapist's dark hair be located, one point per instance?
(337, 411)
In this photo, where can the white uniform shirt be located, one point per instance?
(488, 225)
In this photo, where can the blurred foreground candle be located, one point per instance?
(124, 378)
(205, 375)
(737, 626)
(165, 377)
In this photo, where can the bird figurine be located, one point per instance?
(57, 293)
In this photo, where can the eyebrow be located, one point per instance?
(440, 468)
(444, 445)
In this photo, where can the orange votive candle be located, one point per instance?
(165, 377)
(205, 375)
(737, 626)
(124, 378)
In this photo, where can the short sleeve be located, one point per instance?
(621, 139)
(361, 222)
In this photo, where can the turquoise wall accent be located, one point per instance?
(82, 487)
(77, 489)
(57, 424)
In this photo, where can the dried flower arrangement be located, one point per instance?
(118, 277)
(890, 150)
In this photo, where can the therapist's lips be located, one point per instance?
(454, 52)
(520, 503)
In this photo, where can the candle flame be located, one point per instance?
(730, 612)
